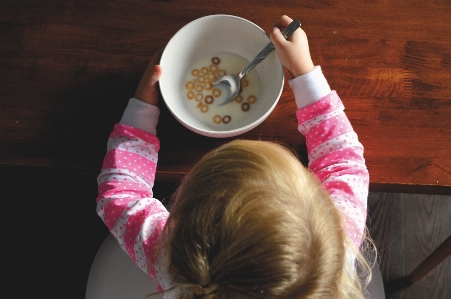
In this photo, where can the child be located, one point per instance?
(249, 220)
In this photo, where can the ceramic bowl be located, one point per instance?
(206, 36)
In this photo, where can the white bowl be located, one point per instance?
(209, 35)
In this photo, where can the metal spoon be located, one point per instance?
(232, 83)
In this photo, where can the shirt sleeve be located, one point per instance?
(141, 115)
(336, 157)
(125, 199)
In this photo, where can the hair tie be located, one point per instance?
(198, 290)
(210, 289)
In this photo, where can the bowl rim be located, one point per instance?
(231, 132)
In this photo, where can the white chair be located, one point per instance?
(114, 275)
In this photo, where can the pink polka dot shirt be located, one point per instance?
(125, 201)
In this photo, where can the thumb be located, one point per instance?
(156, 74)
(147, 90)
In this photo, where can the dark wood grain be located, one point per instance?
(430, 216)
(406, 229)
(384, 222)
(439, 255)
(67, 69)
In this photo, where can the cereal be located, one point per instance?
(215, 92)
(189, 85)
(217, 119)
(244, 82)
(226, 119)
(215, 60)
(214, 68)
(201, 79)
(221, 73)
(207, 86)
(190, 95)
(204, 70)
(238, 98)
(211, 77)
(195, 72)
(245, 107)
(251, 99)
(202, 107)
(209, 100)
(199, 88)
(199, 97)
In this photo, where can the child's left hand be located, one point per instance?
(147, 90)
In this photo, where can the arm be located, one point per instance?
(336, 158)
(335, 154)
(125, 200)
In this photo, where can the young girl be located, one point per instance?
(249, 220)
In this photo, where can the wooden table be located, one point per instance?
(68, 68)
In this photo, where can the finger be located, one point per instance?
(277, 37)
(156, 74)
(283, 22)
(150, 70)
(299, 36)
(150, 79)
(152, 96)
(147, 90)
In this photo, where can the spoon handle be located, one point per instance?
(287, 32)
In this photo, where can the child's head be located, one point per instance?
(250, 221)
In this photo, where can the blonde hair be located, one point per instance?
(250, 221)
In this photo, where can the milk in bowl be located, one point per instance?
(202, 98)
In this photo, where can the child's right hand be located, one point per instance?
(293, 53)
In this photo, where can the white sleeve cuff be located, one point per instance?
(310, 87)
(141, 115)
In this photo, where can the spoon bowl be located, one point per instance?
(231, 84)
